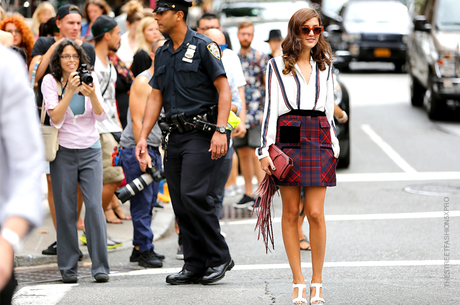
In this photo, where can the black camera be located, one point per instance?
(84, 74)
(138, 184)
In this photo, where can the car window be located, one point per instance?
(378, 12)
(282, 10)
(448, 15)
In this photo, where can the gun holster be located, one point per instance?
(181, 122)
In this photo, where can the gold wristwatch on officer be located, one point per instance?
(221, 129)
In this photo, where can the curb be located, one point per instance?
(161, 227)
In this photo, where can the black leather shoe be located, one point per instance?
(69, 279)
(184, 277)
(214, 274)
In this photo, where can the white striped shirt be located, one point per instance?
(290, 92)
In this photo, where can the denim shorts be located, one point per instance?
(251, 138)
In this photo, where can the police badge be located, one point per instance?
(214, 49)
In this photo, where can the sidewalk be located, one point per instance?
(40, 238)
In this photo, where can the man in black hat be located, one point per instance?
(106, 35)
(274, 40)
(189, 79)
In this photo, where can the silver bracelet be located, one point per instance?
(343, 117)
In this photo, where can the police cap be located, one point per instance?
(179, 5)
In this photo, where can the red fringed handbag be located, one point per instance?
(267, 188)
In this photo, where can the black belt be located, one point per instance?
(313, 113)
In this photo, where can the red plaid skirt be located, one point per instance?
(307, 140)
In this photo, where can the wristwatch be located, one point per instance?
(221, 129)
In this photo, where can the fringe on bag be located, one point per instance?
(264, 194)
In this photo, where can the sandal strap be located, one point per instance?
(300, 288)
(317, 287)
(303, 286)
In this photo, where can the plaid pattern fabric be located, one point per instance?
(314, 162)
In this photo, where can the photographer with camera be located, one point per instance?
(79, 158)
(141, 204)
(68, 22)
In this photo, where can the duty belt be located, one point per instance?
(184, 123)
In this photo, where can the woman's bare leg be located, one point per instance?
(290, 196)
(314, 205)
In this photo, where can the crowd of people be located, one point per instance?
(105, 84)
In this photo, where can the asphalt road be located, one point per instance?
(393, 222)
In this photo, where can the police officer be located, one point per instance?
(189, 79)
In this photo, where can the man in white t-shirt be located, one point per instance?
(106, 33)
(232, 64)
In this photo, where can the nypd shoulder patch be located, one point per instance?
(214, 49)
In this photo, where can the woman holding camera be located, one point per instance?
(73, 107)
(299, 119)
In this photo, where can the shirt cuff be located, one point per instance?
(262, 152)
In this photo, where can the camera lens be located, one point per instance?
(87, 79)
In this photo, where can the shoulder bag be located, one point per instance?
(50, 133)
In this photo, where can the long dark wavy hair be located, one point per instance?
(55, 60)
(292, 45)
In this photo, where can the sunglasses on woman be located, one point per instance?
(305, 29)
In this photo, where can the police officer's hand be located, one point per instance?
(239, 131)
(142, 155)
(267, 163)
(218, 145)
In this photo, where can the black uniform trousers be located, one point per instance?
(191, 176)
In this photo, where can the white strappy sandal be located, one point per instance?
(316, 298)
(299, 300)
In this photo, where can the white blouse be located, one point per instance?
(286, 92)
(125, 53)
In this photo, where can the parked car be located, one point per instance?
(370, 30)
(434, 56)
(266, 16)
(342, 99)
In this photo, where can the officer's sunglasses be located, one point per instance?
(305, 29)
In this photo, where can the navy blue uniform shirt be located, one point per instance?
(188, 86)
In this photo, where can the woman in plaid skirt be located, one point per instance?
(298, 118)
